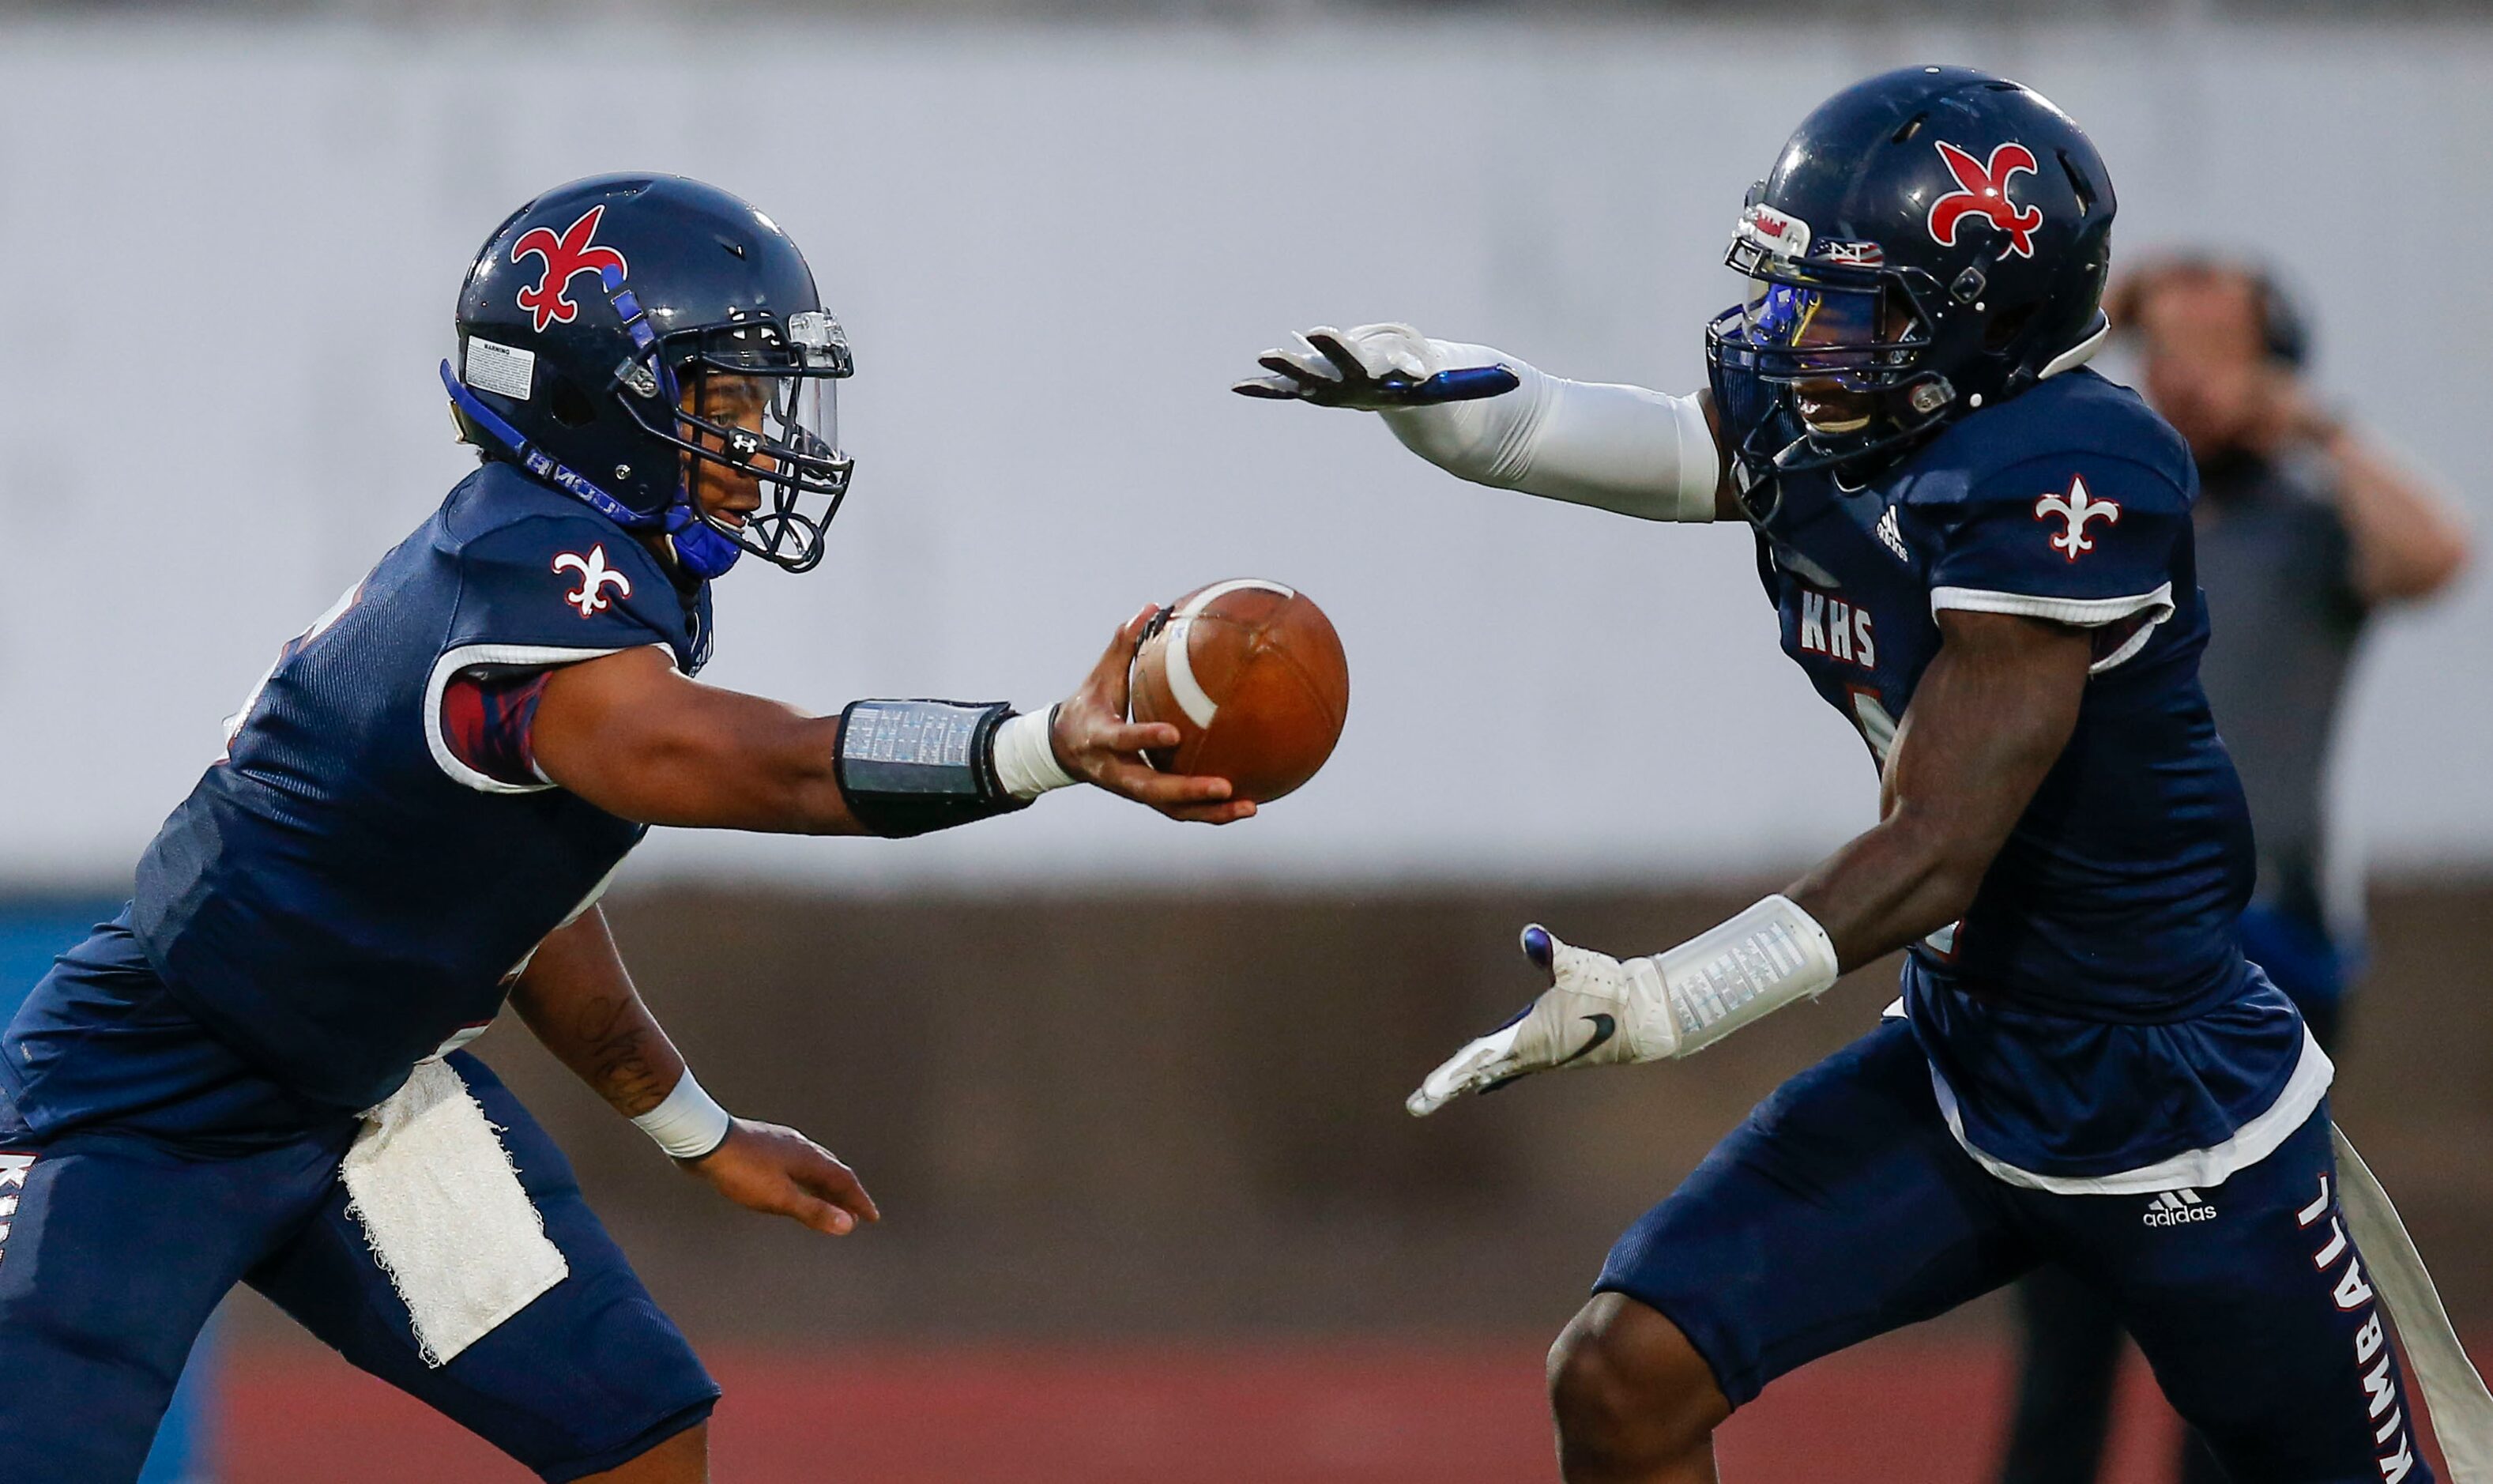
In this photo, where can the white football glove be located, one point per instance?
(1376, 368)
(1597, 1011)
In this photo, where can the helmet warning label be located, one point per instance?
(506, 371)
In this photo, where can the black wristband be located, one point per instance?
(912, 766)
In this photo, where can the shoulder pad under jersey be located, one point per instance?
(541, 575)
(2076, 418)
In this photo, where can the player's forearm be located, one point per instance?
(774, 772)
(1895, 884)
(1989, 718)
(1616, 447)
(579, 1001)
(1621, 448)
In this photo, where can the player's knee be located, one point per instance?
(1628, 1391)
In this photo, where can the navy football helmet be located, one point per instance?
(1932, 241)
(617, 331)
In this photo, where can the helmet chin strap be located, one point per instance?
(704, 549)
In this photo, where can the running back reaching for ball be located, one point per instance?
(1979, 552)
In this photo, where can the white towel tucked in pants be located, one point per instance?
(442, 1205)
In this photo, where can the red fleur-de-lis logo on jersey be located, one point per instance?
(595, 577)
(2077, 508)
(1984, 192)
(565, 258)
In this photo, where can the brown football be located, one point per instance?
(1253, 677)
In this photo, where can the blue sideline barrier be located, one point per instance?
(31, 932)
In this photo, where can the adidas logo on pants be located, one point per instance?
(2174, 1208)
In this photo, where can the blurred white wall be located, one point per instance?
(229, 254)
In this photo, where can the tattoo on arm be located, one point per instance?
(616, 1032)
(579, 1001)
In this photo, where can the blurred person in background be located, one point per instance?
(2305, 527)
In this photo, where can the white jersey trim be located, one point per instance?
(2084, 612)
(468, 655)
(2192, 1169)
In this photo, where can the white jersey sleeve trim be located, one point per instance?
(2192, 1169)
(2083, 612)
(468, 656)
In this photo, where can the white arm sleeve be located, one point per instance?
(1743, 971)
(1621, 448)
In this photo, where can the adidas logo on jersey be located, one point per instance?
(1892, 534)
(2176, 1208)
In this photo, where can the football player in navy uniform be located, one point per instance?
(253, 1075)
(1980, 555)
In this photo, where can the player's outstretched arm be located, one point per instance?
(633, 736)
(1989, 718)
(1491, 418)
(578, 999)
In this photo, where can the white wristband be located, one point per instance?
(1025, 756)
(689, 1123)
(1744, 970)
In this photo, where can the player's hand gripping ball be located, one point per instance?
(1252, 676)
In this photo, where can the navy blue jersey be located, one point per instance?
(343, 891)
(2092, 1012)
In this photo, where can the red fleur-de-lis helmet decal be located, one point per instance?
(1983, 192)
(565, 258)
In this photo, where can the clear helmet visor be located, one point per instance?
(765, 466)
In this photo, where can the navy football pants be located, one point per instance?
(119, 1249)
(1842, 1208)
